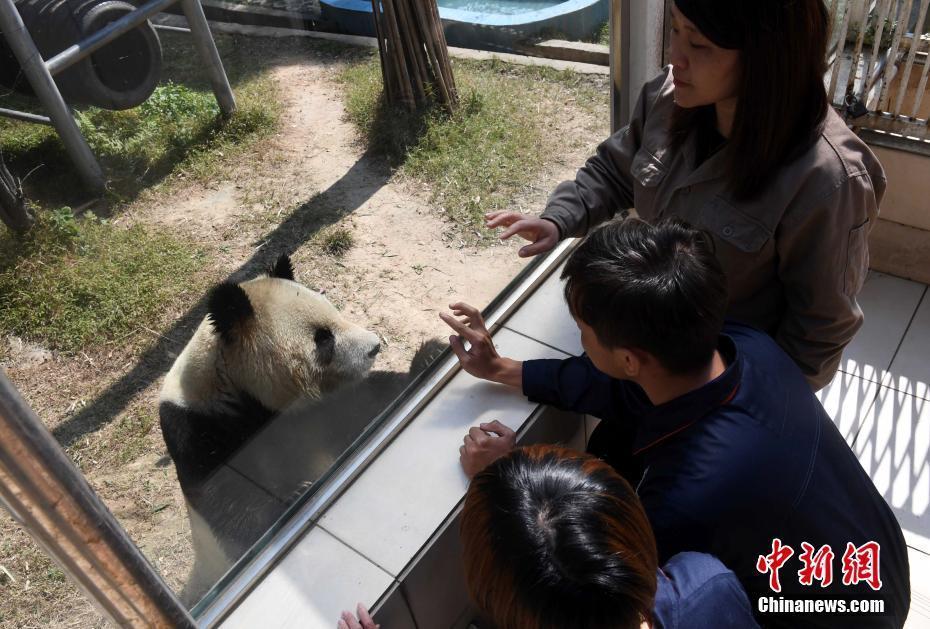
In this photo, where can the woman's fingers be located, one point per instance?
(516, 228)
(540, 246)
(501, 218)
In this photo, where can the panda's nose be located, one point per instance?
(374, 351)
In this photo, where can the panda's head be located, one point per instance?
(278, 340)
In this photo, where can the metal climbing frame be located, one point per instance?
(39, 73)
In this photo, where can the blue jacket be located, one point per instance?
(747, 458)
(696, 591)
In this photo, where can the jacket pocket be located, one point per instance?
(733, 226)
(857, 258)
(647, 169)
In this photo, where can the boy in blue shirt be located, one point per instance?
(729, 450)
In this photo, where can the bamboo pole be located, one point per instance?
(397, 55)
(414, 55)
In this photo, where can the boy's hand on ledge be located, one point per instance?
(364, 621)
(481, 359)
(484, 444)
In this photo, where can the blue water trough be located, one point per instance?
(486, 24)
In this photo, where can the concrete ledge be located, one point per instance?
(580, 52)
(900, 250)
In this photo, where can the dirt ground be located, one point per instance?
(407, 264)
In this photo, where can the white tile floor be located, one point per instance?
(889, 426)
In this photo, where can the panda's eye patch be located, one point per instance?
(325, 345)
(323, 336)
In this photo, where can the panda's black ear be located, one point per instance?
(283, 268)
(228, 307)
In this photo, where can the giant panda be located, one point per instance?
(266, 344)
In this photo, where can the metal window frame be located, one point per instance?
(51, 499)
(40, 73)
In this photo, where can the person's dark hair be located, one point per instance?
(556, 539)
(781, 99)
(657, 288)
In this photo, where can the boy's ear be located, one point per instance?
(228, 309)
(631, 362)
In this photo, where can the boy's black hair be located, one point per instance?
(657, 288)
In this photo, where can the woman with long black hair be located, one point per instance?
(738, 138)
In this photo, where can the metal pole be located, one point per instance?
(47, 494)
(203, 40)
(72, 54)
(24, 116)
(41, 81)
(620, 105)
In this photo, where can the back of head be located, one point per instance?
(556, 539)
(657, 288)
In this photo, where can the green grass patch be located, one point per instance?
(336, 241)
(69, 283)
(178, 129)
(602, 35)
(474, 159)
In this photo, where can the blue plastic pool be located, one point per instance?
(502, 7)
(488, 24)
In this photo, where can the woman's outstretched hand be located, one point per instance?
(542, 234)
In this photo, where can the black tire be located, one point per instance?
(121, 75)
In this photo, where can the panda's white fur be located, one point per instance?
(264, 345)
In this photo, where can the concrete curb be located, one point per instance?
(370, 42)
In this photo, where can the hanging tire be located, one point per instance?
(122, 74)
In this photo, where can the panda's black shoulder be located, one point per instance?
(200, 441)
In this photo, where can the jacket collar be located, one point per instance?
(658, 423)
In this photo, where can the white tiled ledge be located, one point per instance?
(364, 544)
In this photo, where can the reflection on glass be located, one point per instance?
(201, 415)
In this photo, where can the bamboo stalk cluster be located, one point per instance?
(414, 55)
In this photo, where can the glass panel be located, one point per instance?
(203, 434)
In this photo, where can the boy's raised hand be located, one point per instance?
(481, 358)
